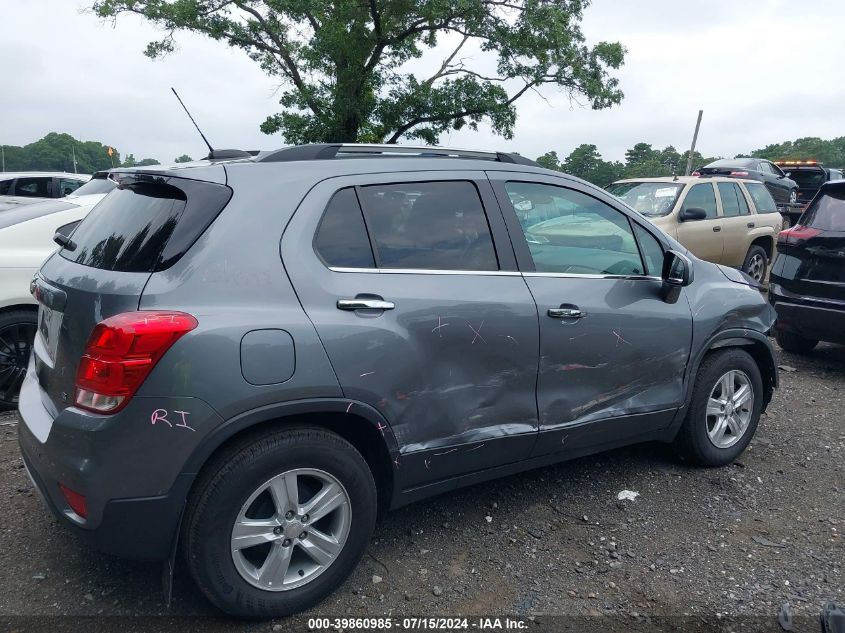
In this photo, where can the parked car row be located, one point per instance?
(784, 189)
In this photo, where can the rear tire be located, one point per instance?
(17, 333)
(699, 439)
(795, 343)
(277, 576)
(756, 263)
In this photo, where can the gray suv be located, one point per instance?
(250, 359)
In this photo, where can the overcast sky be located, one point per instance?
(762, 72)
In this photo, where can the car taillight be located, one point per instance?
(739, 174)
(75, 500)
(121, 352)
(695, 173)
(797, 234)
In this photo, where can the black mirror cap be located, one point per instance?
(693, 213)
(677, 269)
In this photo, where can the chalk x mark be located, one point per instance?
(477, 333)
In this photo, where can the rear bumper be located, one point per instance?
(128, 471)
(809, 317)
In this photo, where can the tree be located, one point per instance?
(549, 160)
(55, 152)
(586, 162)
(342, 63)
(129, 161)
(147, 161)
(184, 158)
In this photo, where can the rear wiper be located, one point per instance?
(64, 241)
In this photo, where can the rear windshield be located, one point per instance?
(97, 184)
(827, 213)
(807, 178)
(146, 224)
(732, 162)
(762, 198)
(651, 199)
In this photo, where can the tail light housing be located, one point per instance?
(797, 234)
(121, 352)
(76, 501)
(695, 173)
(739, 174)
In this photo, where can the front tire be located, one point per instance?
(278, 521)
(795, 343)
(724, 410)
(756, 263)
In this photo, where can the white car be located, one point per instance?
(17, 188)
(26, 240)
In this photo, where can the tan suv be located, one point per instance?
(723, 220)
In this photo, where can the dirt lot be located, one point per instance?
(716, 545)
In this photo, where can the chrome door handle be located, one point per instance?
(566, 313)
(364, 304)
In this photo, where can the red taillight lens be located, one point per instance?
(797, 234)
(75, 500)
(739, 174)
(695, 173)
(121, 352)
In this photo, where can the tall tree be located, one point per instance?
(55, 152)
(342, 63)
(549, 160)
(184, 158)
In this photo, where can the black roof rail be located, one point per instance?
(223, 154)
(325, 151)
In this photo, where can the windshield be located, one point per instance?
(808, 178)
(97, 184)
(651, 199)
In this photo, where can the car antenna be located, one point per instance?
(210, 148)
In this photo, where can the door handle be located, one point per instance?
(751, 225)
(364, 304)
(716, 229)
(566, 313)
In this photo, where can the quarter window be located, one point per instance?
(428, 225)
(733, 202)
(651, 249)
(702, 197)
(571, 232)
(762, 198)
(342, 237)
(67, 186)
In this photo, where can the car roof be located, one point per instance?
(6, 175)
(742, 161)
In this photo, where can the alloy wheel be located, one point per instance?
(757, 267)
(729, 408)
(793, 196)
(291, 529)
(15, 347)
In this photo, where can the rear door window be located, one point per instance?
(428, 225)
(702, 197)
(341, 238)
(733, 201)
(762, 198)
(38, 187)
(146, 224)
(68, 185)
(6, 187)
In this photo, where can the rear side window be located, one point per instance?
(341, 239)
(146, 225)
(428, 225)
(827, 213)
(701, 197)
(762, 198)
(33, 187)
(733, 202)
(6, 187)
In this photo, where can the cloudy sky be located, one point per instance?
(763, 72)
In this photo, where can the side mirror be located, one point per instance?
(677, 269)
(693, 213)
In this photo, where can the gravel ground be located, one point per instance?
(715, 545)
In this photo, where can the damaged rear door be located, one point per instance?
(612, 352)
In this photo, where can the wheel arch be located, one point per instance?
(766, 242)
(358, 423)
(756, 344)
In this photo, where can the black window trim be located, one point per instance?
(524, 259)
(395, 179)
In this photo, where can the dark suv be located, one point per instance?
(251, 359)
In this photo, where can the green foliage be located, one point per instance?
(147, 161)
(184, 158)
(831, 153)
(342, 62)
(55, 152)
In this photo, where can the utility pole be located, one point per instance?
(3, 154)
(73, 148)
(694, 139)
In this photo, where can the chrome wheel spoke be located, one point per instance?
(272, 573)
(734, 424)
(742, 396)
(324, 502)
(715, 407)
(718, 432)
(321, 547)
(727, 383)
(731, 403)
(252, 532)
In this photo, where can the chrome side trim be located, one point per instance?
(424, 271)
(589, 276)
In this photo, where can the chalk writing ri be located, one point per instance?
(160, 415)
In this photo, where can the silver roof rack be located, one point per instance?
(327, 151)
